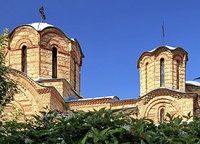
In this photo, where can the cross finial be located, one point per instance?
(43, 17)
(163, 33)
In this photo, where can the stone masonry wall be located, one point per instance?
(149, 67)
(62, 86)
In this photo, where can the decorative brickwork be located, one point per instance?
(166, 92)
(39, 59)
(46, 66)
(43, 53)
(32, 97)
(149, 65)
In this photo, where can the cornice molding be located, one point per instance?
(89, 102)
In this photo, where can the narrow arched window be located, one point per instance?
(162, 72)
(177, 73)
(24, 59)
(162, 115)
(74, 74)
(54, 62)
(146, 76)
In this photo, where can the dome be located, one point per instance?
(39, 26)
(193, 83)
(169, 47)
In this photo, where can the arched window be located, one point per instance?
(177, 73)
(74, 74)
(146, 76)
(24, 59)
(162, 115)
(162, 72)
(54, 62)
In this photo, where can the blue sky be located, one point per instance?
(113, 34)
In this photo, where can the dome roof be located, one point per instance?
(169, 47)
(193, 83)
(166, 48)
(39, 26)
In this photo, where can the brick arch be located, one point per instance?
(21, 42)
(146, 59)
(53, 42)
(23, 34)
(180, 53)
(27, 92)
(32, 96)
(54, 30)
(159, 50)
(51, 37)
(161, 101)
(26, 41)
(22, 28)
(165, 55)
(178, 57)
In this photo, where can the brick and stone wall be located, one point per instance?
(149, 68)
(39, 46)
(32, 97)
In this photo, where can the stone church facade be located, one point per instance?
(46, 66)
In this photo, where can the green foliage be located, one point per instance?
(99, 127)
(7, 86)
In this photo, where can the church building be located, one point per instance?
(46, 65)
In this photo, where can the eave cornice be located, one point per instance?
(89, 102)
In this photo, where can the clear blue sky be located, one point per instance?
(113, 34)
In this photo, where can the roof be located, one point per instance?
(42, 80)
(113, 98)
(39, 26)
(108, 97)
(70, 98)
(192, 83)
(169, 47)
(157, 49)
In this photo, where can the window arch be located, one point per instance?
(54, 62)
(162, 115)
(24, 59)
(162, 72)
